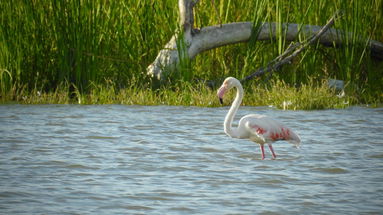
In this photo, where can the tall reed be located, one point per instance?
(82, 41)
(89, 43)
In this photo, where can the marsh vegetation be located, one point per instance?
(96, 51)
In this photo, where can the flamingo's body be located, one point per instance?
(258, 128)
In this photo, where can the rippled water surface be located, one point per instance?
(71, 159)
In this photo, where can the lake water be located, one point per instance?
(116, 159)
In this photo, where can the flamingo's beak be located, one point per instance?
(220, 93)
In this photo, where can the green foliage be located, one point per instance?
(97, 51)
(305, 97)
(81, 41)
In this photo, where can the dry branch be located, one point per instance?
(282, 59)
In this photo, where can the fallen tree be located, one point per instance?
(194, 41)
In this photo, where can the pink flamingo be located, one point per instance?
(258, 128)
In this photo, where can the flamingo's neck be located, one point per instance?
(232, 132)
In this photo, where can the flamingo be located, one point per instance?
(258, 128)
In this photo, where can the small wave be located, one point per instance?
(182, 209)
(376, 156)
(138, 207)
(79, 166)
(100, 137)
(335, 170)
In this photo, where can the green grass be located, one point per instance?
(275, 93)
(305, 97)
(97, 51)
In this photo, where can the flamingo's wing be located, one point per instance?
(255, 132)
(265, 128)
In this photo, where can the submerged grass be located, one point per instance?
(97, 51)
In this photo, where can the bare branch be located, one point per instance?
(282, 59)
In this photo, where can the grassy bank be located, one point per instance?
(97, 51)
(276, 94)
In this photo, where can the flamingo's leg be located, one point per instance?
(262, 150)
(272, 151)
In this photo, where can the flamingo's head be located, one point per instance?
(226, 86)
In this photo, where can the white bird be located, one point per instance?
(258, 128)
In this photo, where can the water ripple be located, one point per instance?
(116, 159)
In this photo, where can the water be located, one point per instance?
(114, 159)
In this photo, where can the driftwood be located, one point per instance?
(199, 40)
